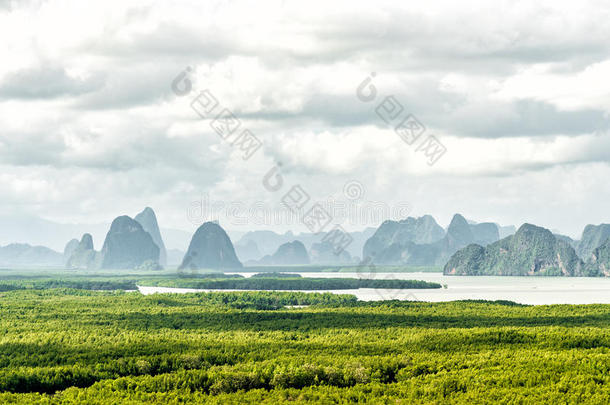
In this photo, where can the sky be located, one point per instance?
(513, 98)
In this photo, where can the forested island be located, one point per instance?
(288, 282)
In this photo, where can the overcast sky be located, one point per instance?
(517, 92)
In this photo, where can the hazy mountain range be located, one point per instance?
(54, 235)
(422, 242)
(465, 247)
(267, 242)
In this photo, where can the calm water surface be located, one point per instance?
(524, 290)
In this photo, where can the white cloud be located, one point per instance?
(587, 88)
(516, 91)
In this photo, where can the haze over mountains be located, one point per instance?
(422, 242)
(267, 242)
(148, 220)
(24, 255)
(37, 231)
(84, 255)
(465, 247)
(289, 254)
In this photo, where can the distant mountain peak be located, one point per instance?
(86, 241)
(128, 245)
(85, 256)
(211, 248)
(148, 220)
(289, 253)
(422, 242)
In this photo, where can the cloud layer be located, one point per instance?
(517, 93)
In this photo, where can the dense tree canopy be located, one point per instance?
(77, 346)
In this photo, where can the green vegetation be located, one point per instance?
(593, 236)
(84, 284)
(286, 283)
(129, 280)
(74, 346)
(206, 273)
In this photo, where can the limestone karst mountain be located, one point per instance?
(291, 253)
(409, 254)
(36, 231)
(210, 248)
(570, 241)
(459, 232)
(247, 251)
(268, 241)
(354, 248)
(404, 249)
(128, 245)
(592, 237)
(148, 220)
(485, 233)
(531, 251)
(84, 256)
(324, 253)
(420, 231)
(69, 249)
(599, 261)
